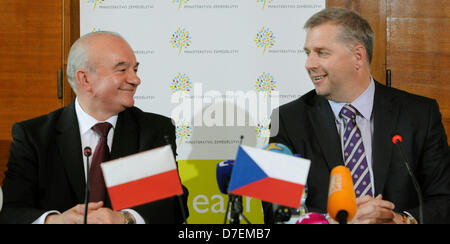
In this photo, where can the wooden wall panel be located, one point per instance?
(71, 32)
(418, 49)
(30, 51)
(4, 155)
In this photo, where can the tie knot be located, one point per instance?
(102, 129)
(348, 112)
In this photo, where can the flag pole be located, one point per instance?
(180, 201)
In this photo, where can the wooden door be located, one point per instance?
(31, 55)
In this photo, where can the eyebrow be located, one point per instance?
(315, 49)
(123, 63)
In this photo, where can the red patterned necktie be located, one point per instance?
(354, 153)
(101, 154)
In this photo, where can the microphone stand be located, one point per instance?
(87, 153)
(236, 205)
(180, 200)
(415, 183)
(236, 210)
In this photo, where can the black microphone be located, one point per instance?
(397, 139)
(223, 176)
(87, 153)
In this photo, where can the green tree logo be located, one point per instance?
(265, 83)
(180, 2)
(262, 129)
(183, 130)
(181, 84)
(265, 39)
(181, 39)
(264, 2)
(95, 2)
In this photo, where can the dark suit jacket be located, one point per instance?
(45, 167)
(307, 126)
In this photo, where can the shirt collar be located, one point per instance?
(86, 122)
(364, 103)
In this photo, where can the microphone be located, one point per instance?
(279, 148)
(87, 153)
(312, 218)
(397, 139)
(223, 175)
(341, 195)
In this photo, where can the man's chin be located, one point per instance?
(128, 105)
(322, 93)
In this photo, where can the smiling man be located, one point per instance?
(46, 178)
(349, 119)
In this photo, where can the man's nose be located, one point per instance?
(311, 62)
(134, 79)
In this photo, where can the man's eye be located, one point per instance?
(322, 53)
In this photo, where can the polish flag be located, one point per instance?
(142, 178)
(269, 176)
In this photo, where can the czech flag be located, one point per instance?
(142, 178)
(269, 176)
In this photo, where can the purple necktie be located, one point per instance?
(101, 154)
(354, 153)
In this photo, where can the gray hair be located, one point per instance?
(79, 56)
(354, 28)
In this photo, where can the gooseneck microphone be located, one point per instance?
(223, 176)
(397, 139)
(87, 153)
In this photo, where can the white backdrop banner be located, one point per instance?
(217, 67)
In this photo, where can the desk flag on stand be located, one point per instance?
(269, 176)
(142, 178)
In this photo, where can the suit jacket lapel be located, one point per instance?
(324, 125)
(385, 113)
(126, 136)
(69, 145)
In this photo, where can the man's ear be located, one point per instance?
(360, 56)
(82, 80)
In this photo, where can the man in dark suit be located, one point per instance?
(339, 48)
(45, 180)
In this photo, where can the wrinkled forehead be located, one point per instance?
(111, 50)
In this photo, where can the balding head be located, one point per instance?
(79, 57)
